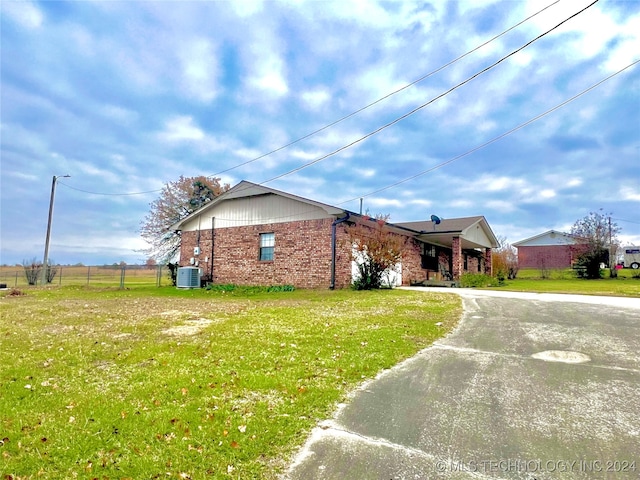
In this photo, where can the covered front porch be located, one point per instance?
(453, 247)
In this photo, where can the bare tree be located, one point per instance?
(504, 260)
(177, 200)
(151, 263)
(32, 269)
(52, 270)
(375, 249)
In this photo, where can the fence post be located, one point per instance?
(122, 270)
(88, 274)
(16, 280)
(60, 277)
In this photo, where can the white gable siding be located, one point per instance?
(548, 239)
(257, 210)
(476, 234)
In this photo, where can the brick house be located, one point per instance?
(256, 235)
(548, 250)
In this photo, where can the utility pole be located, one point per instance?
(612, 268)
(45, 262)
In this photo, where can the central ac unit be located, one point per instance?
(188, 277)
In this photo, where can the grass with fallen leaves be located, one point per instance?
(164, 383)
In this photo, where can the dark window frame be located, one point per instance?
(267, 245)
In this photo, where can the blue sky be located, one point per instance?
(125, 96)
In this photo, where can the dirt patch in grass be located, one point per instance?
(190, 327)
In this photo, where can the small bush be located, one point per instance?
(472, 280)
(281, 288)
(248, 289)
(173, 272)
(32, 269)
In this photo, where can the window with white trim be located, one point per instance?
(267, 245)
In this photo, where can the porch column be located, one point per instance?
(488, 267)
(456, 258)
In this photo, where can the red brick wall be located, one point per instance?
(412, 270)
(548, 256)
(488, 261)
(302, 254)
(456, 252)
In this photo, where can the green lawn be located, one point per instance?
(563, 281)
(165, 383)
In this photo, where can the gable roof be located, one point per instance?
(554, 238)
(246, 189)
(473, 231)
(451, 225)
(466, 228)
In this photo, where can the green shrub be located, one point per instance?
(472, 280)
(248, 289)
(281, 288)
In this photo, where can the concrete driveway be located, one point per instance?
(528, 386)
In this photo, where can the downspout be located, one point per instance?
(213, 222)
(333, 248)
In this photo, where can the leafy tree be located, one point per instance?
(596, 234)
(504, 261)
(177, 200)
(375, 249)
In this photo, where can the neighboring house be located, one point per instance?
(255, 235)
(548, 250)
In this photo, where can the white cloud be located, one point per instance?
(303, 154)
(271, 81)
(105, 174)
(365, 172)
(200, 70)
(119, 114)
(315, 99)
(547, 193)
(247, 8)
(23, 12)
(180, 129)
(629, 193)
(574, 182)
(385, 202)
(23, 176)
(420, 202)
(502, 206)
(460, 203)
(626, 51)
(264, 65)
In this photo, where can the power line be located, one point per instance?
(110, 194)
(495, 139)
(408, 114)
(386, 96)
(346, 116)
(489, 142)
(622, 220)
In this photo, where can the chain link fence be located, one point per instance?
(104, 276)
